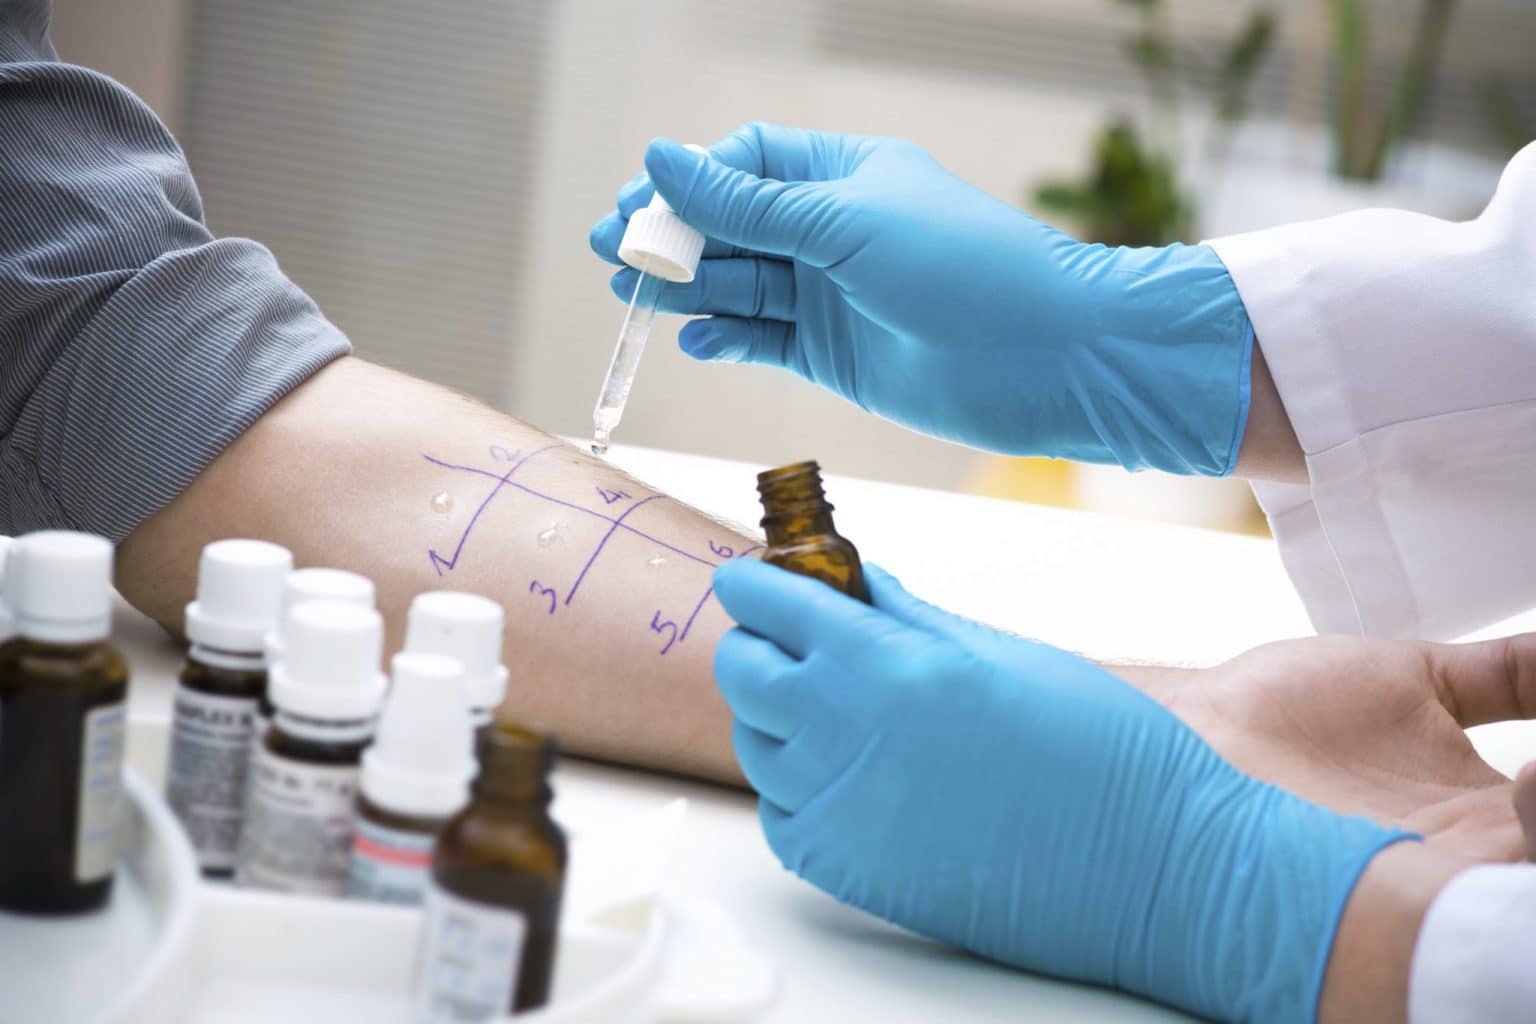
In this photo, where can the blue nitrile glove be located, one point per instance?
(1018, 801)
(861, 264)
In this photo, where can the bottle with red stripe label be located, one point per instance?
(414, 778)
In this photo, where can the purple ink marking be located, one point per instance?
(604, 543)
(549, 592)
(723, 550)
(709, 590)
(500, 454)
(570, 505)
(609, 497)
(657, 625)
(438, 561)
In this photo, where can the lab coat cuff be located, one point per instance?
(1335, 542)
(1472, 962)
(1308, 557)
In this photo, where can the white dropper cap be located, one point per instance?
(423, 760)
(658, 242)
(467, 627)
(316, 585)
(60, 586)
(330, 666)
(5, 600)
(239, 595)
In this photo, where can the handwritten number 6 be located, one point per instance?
(723, 550)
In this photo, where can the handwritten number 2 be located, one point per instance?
(541, 591)
(669, 627)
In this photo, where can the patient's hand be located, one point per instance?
(1372, 727)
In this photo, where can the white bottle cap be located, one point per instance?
(60, 586)
(423, 760)
(330, 665)
(239, 595)
(658, 242)
(316, 585)
(467, 627)
(5, 600)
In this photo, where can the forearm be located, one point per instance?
(1372, 954)
(610, 624)
(1270, 450)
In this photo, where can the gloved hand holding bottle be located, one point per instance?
(1013, 799)
(864, 266)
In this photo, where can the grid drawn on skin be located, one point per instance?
(616, 523)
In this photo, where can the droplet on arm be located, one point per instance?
(442, 503)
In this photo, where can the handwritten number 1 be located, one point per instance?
(659, 626)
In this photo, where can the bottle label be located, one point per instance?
(470, 958)
(103, 732)
(390, 865)
(298, 826)
(210, 762)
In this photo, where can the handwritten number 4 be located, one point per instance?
(542, 591)
(669, 627)
(609, 497)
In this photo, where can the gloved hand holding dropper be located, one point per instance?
(862, 265)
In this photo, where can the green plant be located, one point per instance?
(1132, 195)
(1363, 137)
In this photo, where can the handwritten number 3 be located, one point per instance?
(541, 591)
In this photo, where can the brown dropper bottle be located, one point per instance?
(801, 538)
(498, 871)
(63, 693)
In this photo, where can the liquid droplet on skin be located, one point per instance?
(549, 536)
(656, 561)
(442, 503)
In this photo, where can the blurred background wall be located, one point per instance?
(429, 170)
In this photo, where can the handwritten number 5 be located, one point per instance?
(669, 627)
(542, 591)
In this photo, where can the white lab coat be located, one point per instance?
(1404, 350)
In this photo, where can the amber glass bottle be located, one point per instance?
(801, 538)
(63, 693)
(498, 872)
(239, 585)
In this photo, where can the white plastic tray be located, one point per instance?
(173, 949)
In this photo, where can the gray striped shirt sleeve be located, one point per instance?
(134, 346)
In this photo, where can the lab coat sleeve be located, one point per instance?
(1404, 351)
(134, 346)
(1473, 960)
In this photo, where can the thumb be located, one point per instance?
(1525, 807)
(891, 597)
(735, 207)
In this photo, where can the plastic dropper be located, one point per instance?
(664, 249)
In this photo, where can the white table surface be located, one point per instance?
(1110, 588)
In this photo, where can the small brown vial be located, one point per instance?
(63, 692)
(498, 872)
(801, 538)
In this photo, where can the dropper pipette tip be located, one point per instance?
(600, 443)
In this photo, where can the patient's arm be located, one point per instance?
(610, 623)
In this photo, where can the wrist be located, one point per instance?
(1366, 981)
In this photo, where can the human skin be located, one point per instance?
(338, 472)
(1376, 727)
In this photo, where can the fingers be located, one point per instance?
(776, 217)
(785, 778)
(734, 287)
(726, 339)
(770, 151)
(752, 674)
(1490, 681)
(796, 612)
(1525, 807)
